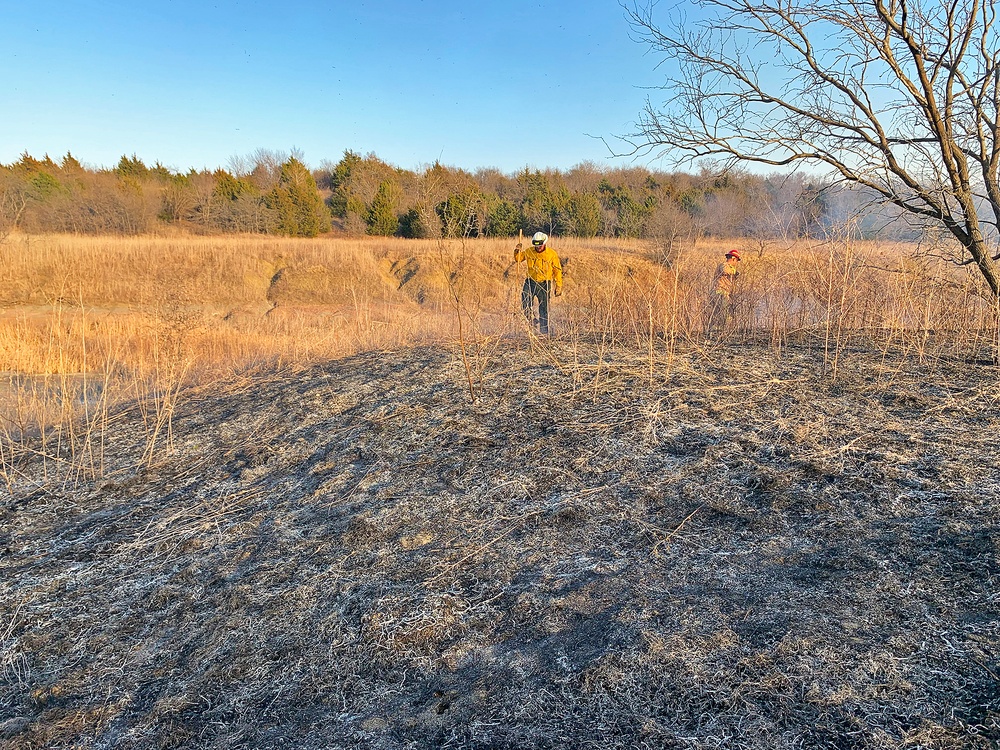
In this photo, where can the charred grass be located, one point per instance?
(608, 547)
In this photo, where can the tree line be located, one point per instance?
(275, 193)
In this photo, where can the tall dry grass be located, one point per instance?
(89, 326)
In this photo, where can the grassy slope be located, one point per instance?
(720, 549)
(136, 305)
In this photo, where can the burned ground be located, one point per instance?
(606, 548)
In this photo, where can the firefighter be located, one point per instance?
(544, 278)
(725, 284)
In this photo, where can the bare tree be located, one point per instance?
(240, 166)
(13, 201)
(899, 96)
(266, 169)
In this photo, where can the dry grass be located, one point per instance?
(698, 548)
(89, 325)
(243, 300)
(332, 494)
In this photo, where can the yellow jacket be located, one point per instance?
(725, 279)
(542, 266)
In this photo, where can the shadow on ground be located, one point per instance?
(703, 550)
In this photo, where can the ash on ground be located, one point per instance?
(606, 547)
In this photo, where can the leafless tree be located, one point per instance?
(899, 96)
(266, 169)
(13, 200)
(240, 166)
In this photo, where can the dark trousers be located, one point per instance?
(719, 312)
(531, 291)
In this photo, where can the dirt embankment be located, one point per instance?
(721, 549)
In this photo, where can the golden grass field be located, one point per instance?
(72, 304)
(90, 322)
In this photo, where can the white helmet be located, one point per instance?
(540, 238)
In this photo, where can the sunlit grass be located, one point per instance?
(88, 324)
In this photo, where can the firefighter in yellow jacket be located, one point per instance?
(544, 277)
(725, 285)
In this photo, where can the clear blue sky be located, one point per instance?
(192, 83)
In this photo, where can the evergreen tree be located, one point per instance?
(585, 217)
(460, 213)
(339, 182)
(502, 218)
(231, 188)
(70, 164)
(630, 214)
(382, 219)
(30, 165)
(412, 224)
(133, 168)
(299, 210)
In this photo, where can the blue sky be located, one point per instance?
(191, 84)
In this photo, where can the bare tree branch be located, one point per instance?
(901, 97)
